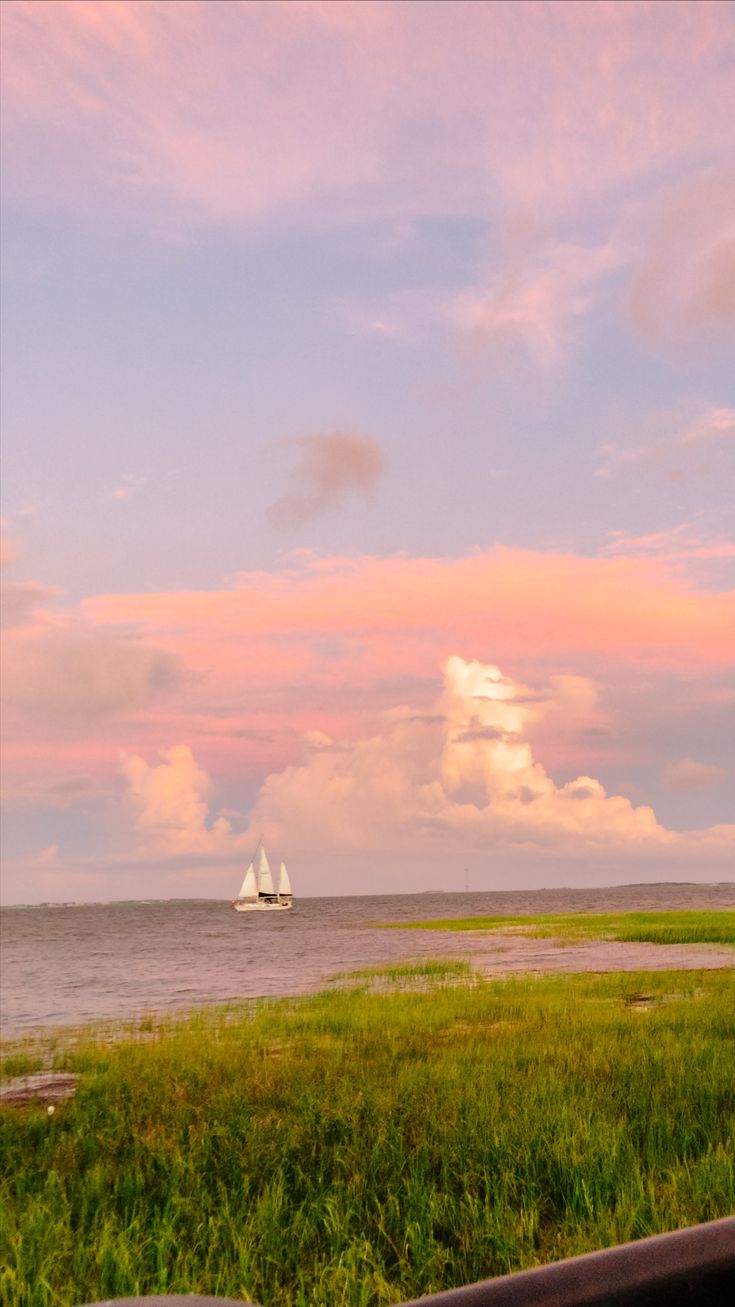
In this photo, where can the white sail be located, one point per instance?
(257, 893)
(249, 887)
(284, 884)
(263, 872)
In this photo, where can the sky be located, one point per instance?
(368, 444)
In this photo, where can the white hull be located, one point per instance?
(260, 907)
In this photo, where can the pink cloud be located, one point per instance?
(679, 544)
(686, 278)
(8, 551)
(201, 112)
(462, 778)
(83, 674)
(308, 659)
(687, 775)
(172, 814)
(538, 301)
(393, 616)
(184, 116)
(713, 298)
(24, 604)
(331, 467)
(71, 693)
(54, 770)
(337, 640)
(674, 445)
(715, 424)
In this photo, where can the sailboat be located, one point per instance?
(257, 893)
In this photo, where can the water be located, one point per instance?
(71, 964)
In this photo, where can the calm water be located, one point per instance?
(66, 965)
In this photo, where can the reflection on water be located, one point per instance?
(65, 965)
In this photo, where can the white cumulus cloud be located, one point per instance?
(465, 774)
(172, 812)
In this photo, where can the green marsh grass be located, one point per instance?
(419, 974)
(360, 1148)
(693, 927)
(20, 1064)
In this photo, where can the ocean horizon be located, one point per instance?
(66, 964)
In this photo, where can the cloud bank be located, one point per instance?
(616, 660)
(461, 779)
(219, 113)
(464, 776)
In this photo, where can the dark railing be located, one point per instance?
(688, 1268)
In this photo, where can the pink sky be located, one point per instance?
(361, 357)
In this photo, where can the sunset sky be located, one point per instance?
(368, 444)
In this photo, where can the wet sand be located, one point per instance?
(46, 1088)
(518, 955)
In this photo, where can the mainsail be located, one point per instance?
(263, 872)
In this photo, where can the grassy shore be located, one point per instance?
(372, 1144)
(710, 927)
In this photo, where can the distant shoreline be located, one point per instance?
(652, 885)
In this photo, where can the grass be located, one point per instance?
(358, 1148)
(419, 974)
(646, 927)
(20, 1064)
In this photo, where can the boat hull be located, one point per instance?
(261, 907)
